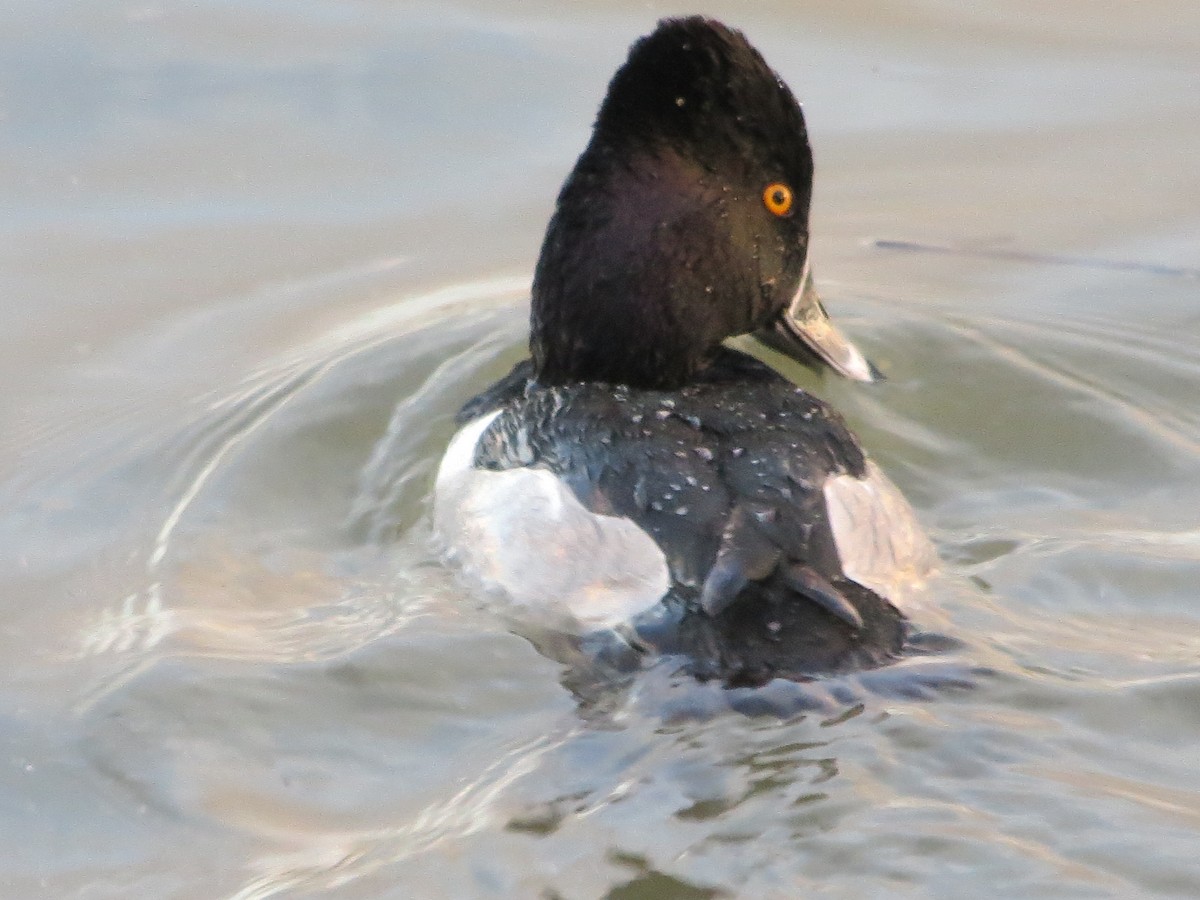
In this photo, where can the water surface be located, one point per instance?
(254, 256)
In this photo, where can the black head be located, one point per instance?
(685, 220)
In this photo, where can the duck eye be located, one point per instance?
(777, 197)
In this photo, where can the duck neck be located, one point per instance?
(624, 288)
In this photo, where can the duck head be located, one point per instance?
(683, 223)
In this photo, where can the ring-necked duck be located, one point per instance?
(636, 474)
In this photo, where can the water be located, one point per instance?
(255, 255)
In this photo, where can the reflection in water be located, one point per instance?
(286, 602)
(336, 859)
(315, 683)
(1143, 412)
(305, 593)
(219, 598)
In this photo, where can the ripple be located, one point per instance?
(243, 589)
(292, 665)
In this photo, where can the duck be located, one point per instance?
(639, 476)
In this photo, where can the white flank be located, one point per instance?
(522, 533)
(879, 541)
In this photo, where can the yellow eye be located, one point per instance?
(777, 197)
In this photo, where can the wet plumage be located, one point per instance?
(684, 222)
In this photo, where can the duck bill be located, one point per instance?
(805, 333)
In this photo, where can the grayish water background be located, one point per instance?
(253, 257)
